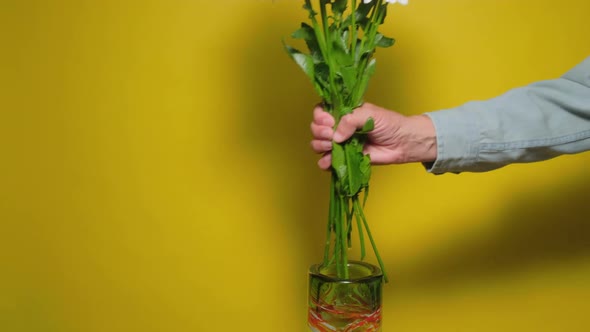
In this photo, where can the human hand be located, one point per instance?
(395, 139)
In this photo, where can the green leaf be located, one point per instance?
(364, 82)
(370, 70)
(363, 9)
(365, 168)
(339, 160)
(353, 162)
(341, 58)
(345, 110)
(322, 81)
(382, 41)
(307, 6)
(367, 127)
(340, 39)
(383, 10)
(359, 50)
(366, 48)
(349, 76)
(307, 33)
(304, 61)
(322, 75)
(361, 15)
(339, 6)
(322, 92)
(340, 51)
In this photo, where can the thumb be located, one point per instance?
(350, 123)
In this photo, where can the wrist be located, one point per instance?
(422, 143)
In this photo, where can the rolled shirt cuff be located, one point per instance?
(457, 137)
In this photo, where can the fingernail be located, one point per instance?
(337, 137)
(327, 145)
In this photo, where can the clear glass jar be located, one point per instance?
(350, 305)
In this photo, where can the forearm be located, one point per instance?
(533, 123)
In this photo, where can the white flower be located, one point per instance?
(401, 2)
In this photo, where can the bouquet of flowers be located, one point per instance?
(342, 38)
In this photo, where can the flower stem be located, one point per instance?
(317, 30)
(343, 246)
(331, 216)
(353, 30)
(356, 207)
(360, 209)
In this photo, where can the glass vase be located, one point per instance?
(349, 305)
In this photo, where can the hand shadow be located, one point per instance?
(533, 230)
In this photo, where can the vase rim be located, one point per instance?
(374, 273)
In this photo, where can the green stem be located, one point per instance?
(336, 96)
(337, 241)
(349, 212)
(324, 17)
(344, 208)
(343, 247)
(330, 221)
(337, 244)
(356, 207)
(353, 30)
(373, 242)
(376, 24)
(367, 33)
(369, 36)
(318, 32)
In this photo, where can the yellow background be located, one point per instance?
(156, 173)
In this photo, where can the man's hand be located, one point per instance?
(395, 139)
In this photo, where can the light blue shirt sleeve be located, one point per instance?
(533, 123)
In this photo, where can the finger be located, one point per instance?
(382, 156)
(321, 146)
(325, 162)
(321, 132)
(322, 117)
(375, 153)
(350, 123)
